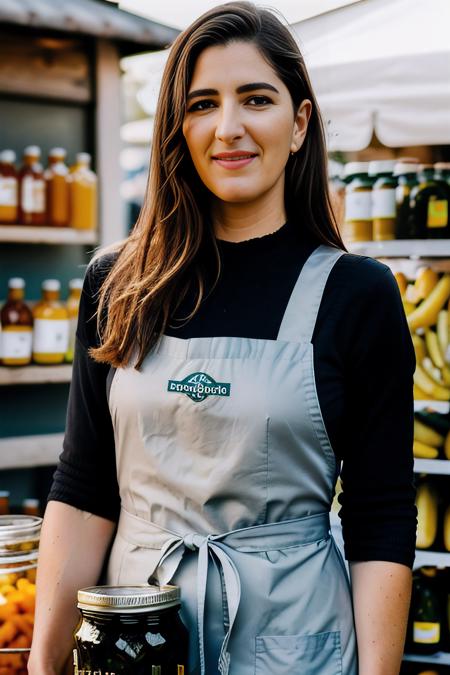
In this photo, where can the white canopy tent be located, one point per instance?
(375, 65)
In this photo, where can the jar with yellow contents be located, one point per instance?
(51, 326)
(19, 543)
(358, 203)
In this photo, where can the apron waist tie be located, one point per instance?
(258, 538)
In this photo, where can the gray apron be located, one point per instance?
(226, 477)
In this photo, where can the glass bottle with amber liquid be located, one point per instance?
(429, 206)
(51, 325)
(73, 304)
(83, 194)
(32, 208)
(17, 326)
(57, 188)
(9, 191)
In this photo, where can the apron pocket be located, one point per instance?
(318, 654)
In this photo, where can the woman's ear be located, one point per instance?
(301, 124)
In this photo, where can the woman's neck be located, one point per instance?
(238, 222)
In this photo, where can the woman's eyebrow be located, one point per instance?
(244, 88)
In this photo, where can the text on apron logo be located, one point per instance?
(199, 386)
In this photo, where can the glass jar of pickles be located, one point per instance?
(130, 630)
(19, 543)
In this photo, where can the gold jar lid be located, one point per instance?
(128, 599)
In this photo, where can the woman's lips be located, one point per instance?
(234, 162)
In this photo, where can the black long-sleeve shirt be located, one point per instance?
(364, 363)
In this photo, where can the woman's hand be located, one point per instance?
(381, 597)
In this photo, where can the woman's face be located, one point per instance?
(240, 125)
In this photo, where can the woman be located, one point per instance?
(195, 419)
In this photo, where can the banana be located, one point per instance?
(420, 395)
(426, 280)
(409, 307)
(426, 435)
(447, 446)
(419, 347)
(423, 451)
(425, 382)
(427, 515)
(447, 529)
(442, 331)
(446, 375)
(432, 372)
(427, 312)
(411, 295)
(402, 282)
(431, 341)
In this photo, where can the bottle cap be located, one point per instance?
(405, 167)
(16, 282)
(408, 160)
(8, 156)
(426, 167)
(32, 150)
(353, 168)
(30, 502)
(83, 158)
(58, 152)
(381, 166)
(4, 494)
(51, 285)
(75, 284)
(442, 166)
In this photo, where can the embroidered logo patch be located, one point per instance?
(199, 386)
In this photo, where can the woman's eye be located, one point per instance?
(259, 100)
(201, 105)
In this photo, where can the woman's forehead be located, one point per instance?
(232, 64)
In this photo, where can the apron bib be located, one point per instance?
(226, 477)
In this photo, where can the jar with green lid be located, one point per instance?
(429, 208)
(406, 174)
(130, 630)
(383, 199)
(358, 203)
(19, 543)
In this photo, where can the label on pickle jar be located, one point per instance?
(383, 203)
(16, 344)
(8, 191)
(82, 671)
(426, 633)
(437, 213)
(51, 336)
(358, 206)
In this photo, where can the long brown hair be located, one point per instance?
(161, 257)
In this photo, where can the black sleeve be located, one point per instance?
(86, 474)
(377, 503)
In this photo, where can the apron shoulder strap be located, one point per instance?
(301, 312)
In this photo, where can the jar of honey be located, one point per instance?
(19, 543)
(9, 189)
(51, 325)
(17, 326)
(358, 203)
(32, 207)
(57, 188)
(83, 194)
(130, 630)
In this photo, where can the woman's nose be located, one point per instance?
(229, 124)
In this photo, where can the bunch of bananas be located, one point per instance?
(431, 435)
(433, 521)
(426, 303)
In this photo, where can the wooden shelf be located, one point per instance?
(24, 234)
(441, 658)
(19, 452)
(35, 374)
(438, 406)
(431, 558)
(403, 248)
